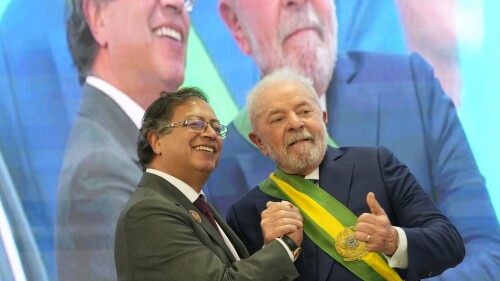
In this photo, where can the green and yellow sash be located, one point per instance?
(329, 224)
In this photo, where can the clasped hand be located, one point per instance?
(280, 218)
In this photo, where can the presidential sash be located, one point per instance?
(329, 224)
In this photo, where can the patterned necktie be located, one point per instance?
(310, 250)
(204, 208)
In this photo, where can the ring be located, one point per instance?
(368, 238)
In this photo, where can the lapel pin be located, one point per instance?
(195, 215)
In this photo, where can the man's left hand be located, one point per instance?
(376, 230)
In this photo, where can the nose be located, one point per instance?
(293, 3)
(209, 132)
(175, 5)
(294, 122)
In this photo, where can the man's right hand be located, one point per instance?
(281, 218)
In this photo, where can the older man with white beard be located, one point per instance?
(367, 206)
(371, 100)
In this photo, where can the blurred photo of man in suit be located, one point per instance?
(126, 52)
(368, 219)
(167, 230)
(371, 99)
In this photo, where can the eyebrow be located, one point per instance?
(300, 104)
(274, 112)
(304, 103)
(194, 116)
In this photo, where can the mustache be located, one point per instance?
(298, 136)
(295, 20)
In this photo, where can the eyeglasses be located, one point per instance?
(189, 5)
(201, 126)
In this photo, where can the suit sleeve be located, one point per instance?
(156, 241)
(457, 186)
(434, 244)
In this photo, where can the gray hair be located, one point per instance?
(81, 41)
(279, 75)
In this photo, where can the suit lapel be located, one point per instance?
(233, 238)
(109, 115)
(166, 189)
(336, 175)
(335, 178)
(207, 226)
(353, 106)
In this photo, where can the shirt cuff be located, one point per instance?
(286, 248)
(400, 258)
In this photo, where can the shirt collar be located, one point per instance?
(314, 175)
(133, 110)
(183, 187)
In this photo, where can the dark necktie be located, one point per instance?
(204, 208)
(310, 250)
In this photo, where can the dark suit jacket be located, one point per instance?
(348, 174)
(99, 173)
(396, 102)
(157, 238)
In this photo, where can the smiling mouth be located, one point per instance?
(168, 32)
(204, 148)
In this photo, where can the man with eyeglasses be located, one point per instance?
(167, 231)
(126, 52)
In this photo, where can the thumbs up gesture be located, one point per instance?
(375, 229)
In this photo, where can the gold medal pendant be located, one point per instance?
(349, 247)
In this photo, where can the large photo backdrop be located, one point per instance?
(40, 94)
(462, 50)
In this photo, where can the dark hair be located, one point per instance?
(158, 115)
(81, 42)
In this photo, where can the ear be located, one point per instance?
(325, 117)
(94, 17)
(154, 142)
(231, 20)
(258, 142)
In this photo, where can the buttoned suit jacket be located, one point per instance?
(161, 235)
(100, 171)
(396, 102)
(348, 174)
